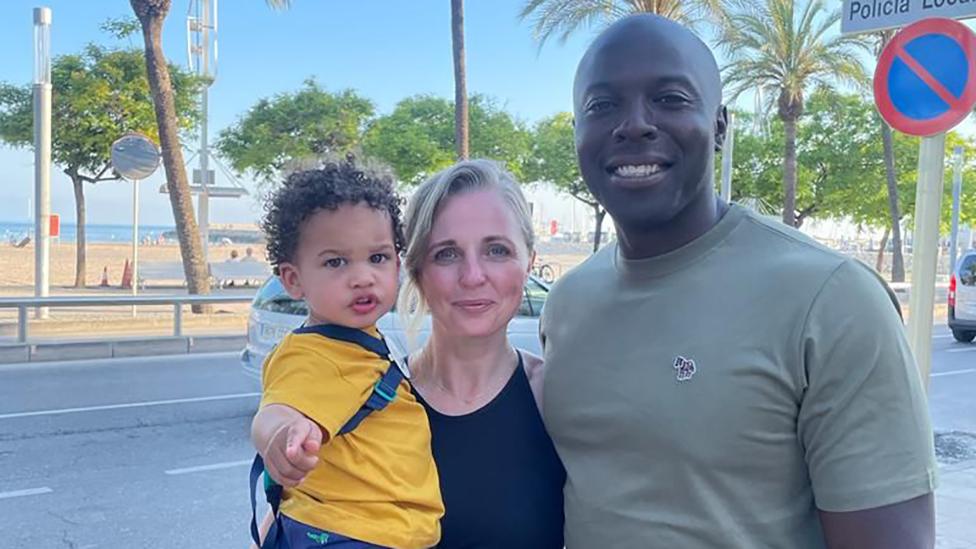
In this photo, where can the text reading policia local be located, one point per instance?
(869, 9)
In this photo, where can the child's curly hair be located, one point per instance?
(305, 192)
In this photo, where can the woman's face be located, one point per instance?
(476, 264)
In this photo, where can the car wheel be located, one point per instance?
(963, 336)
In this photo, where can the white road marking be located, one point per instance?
(963, 350)
(27, 492)
(127, 405)
(954, 373)
(943, 336)
(211, 467)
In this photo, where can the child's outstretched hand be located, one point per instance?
(293, 451)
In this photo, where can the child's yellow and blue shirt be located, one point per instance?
(376, 484)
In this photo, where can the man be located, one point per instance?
(716, 379)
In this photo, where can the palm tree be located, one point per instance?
(891, 180)
(565, 17)
(460, 80)
(773, 44)
(151, 14)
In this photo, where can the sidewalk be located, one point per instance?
(955, 499)
(955, 506)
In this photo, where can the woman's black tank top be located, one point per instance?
(501, 480)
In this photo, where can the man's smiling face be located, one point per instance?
(648, 116)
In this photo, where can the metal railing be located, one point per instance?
(23, 304)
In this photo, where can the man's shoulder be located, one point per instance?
(767, 230)
(775, 246)
(779, 250)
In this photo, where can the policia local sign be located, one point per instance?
(872, 15)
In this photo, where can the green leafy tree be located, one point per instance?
(562, 18)
(289, 127)
(772, 44)
(553, 160)
(756, 163)
(417, 138)
(891, 180)
(97, 96)
(840, 168)
(967, 203)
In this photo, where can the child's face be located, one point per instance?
(345, 266)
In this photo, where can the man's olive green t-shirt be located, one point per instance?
(718, 395)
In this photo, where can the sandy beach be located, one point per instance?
(17, 264)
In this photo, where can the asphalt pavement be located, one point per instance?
(125, 453)
(952, 385)
(154, 452)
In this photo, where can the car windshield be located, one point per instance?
(272, 297)
(967, 271)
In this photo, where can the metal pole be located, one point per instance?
(203, 201)
(956, 193)
(177, 319)
(925, 249)
(42, 154)
(726, 191)
(22, 324)
(135, 240)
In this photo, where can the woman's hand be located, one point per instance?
(288, 441)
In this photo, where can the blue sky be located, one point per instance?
(387, 50)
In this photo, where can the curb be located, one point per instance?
(120, 348)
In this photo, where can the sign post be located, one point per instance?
(135, 157)
(925, 250)
(925, 84)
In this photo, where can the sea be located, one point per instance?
(16, 231)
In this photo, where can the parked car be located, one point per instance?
(274, 313)
(962, 298)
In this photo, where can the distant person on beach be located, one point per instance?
(234, 257)
(249, 255)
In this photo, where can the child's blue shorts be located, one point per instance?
(298, 535)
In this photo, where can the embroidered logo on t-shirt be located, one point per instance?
(685, 368)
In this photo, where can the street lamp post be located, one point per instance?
(42, 154)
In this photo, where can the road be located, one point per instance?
(153, 452)
(148, 452)
(952, 385)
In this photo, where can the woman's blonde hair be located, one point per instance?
(465, 176)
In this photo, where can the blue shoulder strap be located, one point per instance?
(384, 392)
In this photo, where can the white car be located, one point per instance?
(274, 313)
(962, 298)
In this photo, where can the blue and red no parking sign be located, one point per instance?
(925, 81)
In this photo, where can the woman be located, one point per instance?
(469, 252)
